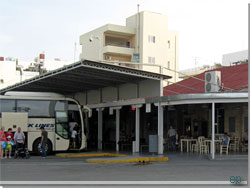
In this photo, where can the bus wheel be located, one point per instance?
(37, 147)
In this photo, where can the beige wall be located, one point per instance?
(150, 24)
(155, 24)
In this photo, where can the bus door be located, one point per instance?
(62, 137)
(75, 124)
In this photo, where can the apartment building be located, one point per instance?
(11, 73)
(13, 70)
(144, 41)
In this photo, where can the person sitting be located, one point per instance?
(224, 140)
(244, 142)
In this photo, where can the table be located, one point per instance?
(208, 140)
(187, 140)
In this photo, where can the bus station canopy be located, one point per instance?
(83, 76)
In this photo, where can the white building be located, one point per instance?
(232, 58)
(11, 74)
(13, 71)
(145, 40)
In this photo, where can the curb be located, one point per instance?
(92, 155)
(133, 160)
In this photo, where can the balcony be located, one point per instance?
(118, 50)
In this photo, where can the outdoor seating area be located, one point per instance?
(203, 145)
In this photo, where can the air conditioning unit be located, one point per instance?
(108, 57)
(212, 81)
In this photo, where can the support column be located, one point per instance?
(137, 130)
(213, 128)
(117, 128)
(137, 127)
(100, 118)
(160, 117)
(160, 129)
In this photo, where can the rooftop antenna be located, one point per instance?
(75, 42)
(75, 51)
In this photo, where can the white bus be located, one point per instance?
(31, 110)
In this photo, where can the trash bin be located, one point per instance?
(153, 143)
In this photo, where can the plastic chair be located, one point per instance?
(224, 148)
(235, 144)
(203, 147)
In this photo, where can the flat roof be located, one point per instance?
(83, 76)
(200, 98)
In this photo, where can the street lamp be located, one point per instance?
(91, 38)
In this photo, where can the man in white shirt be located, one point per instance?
(172, 138)
(19, 138)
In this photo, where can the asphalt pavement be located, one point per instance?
(179, 167)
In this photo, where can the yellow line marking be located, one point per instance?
(93, 155)
(134, 160)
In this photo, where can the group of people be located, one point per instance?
(8, 142)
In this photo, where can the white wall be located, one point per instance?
(228, 59)
(53, 64)
(10, 75)
(156, 24)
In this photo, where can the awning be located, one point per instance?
(83, 76)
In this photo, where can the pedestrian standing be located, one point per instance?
(172, 138)
(9, 139)
(19, 139)
(44, 138)
(73, 137)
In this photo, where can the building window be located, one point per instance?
(231, 127)
(151, 39)
(151, 60)
(168, 43)
(168, 64)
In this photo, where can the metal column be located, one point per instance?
(117, 128)
(100, 128)
(213, 128)
(160, 129)
(160, 117)
(137, 129)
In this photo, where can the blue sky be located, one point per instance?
(207, 28)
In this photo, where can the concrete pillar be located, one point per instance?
(160, 129)
(160, 117)
(117, 128)
(213, 128)
(100, 126)
(137, 127)
(137, 130)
